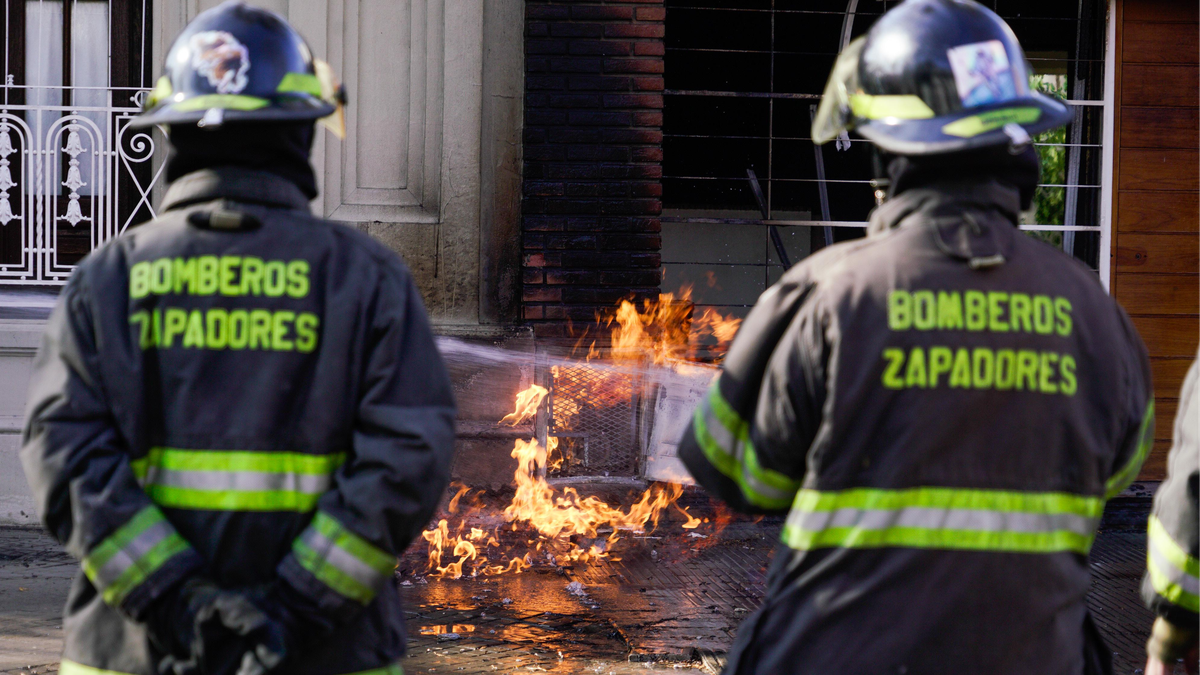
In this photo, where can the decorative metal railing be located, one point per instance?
(70, 170)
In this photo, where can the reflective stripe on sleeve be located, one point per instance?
(139, 547)
(342, 560)
(724, 437)
(1174, 574)
(1122, 478)
(943, 518)
(234, 480)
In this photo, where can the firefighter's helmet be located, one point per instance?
(236, 63)
(933, 77)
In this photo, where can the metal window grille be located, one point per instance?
(72, 173)
(743, 81)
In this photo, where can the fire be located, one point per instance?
(664, 330)
(527, 405)
(660, 330)
(555, 514)
(563, 526)
(723, 328)
(692, 521)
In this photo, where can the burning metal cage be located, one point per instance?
(617, 423)
(597, 415)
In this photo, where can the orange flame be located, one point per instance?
(692, 521)
(527, 405)
(666, 329)
(581, 528)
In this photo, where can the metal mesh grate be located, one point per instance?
(594, 415)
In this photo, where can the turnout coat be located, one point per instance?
(241, 390)
(941, 409)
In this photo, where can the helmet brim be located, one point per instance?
(970, 129)
(279, 109)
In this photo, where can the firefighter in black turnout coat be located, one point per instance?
(941, 408)
(238, 416)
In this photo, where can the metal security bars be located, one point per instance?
(743, 78)
(72, 173)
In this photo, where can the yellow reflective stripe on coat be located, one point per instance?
(724, 437)
(128, 556)
(1174, 574)
(68, 667)
(236, 480)
(342, 560)
(943, 518)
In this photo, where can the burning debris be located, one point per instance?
(543, 525)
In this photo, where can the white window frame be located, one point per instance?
(1107, 169)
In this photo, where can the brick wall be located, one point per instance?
(593, 158)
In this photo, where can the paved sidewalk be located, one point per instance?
(668, 604)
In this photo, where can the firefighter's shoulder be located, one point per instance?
(838, 261)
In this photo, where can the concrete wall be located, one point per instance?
(18, 344)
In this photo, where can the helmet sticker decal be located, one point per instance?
(218, 56)
(982, 73)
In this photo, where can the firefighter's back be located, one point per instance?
(238, 357)
(942, 408)
(975, 421)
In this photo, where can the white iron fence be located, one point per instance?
(71, 178)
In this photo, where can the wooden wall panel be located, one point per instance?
(1160, 293)
(1155, 245)
(1144, 169)
(1168, 376)
(1147, 211)
(1160, 127)
(1155, 467)
(1168, 335)
(1160, 85)
(1158, 253)
(1162, 10)
(1146, 42)
(1164, 418)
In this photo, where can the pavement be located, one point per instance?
(670, 602)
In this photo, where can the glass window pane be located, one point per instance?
(43, 60)
(89, 80)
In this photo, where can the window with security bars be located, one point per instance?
(72, 173)
(743, 81)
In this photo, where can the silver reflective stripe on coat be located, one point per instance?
(944, 519)
(240, 481)
(128, 555)
(342, 559)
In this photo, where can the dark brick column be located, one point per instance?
(593, 158)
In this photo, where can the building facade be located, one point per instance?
(642, 120)
(430, 164)
(536, 161)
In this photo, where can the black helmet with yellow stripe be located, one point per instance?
(934, 77)
(238, 63)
